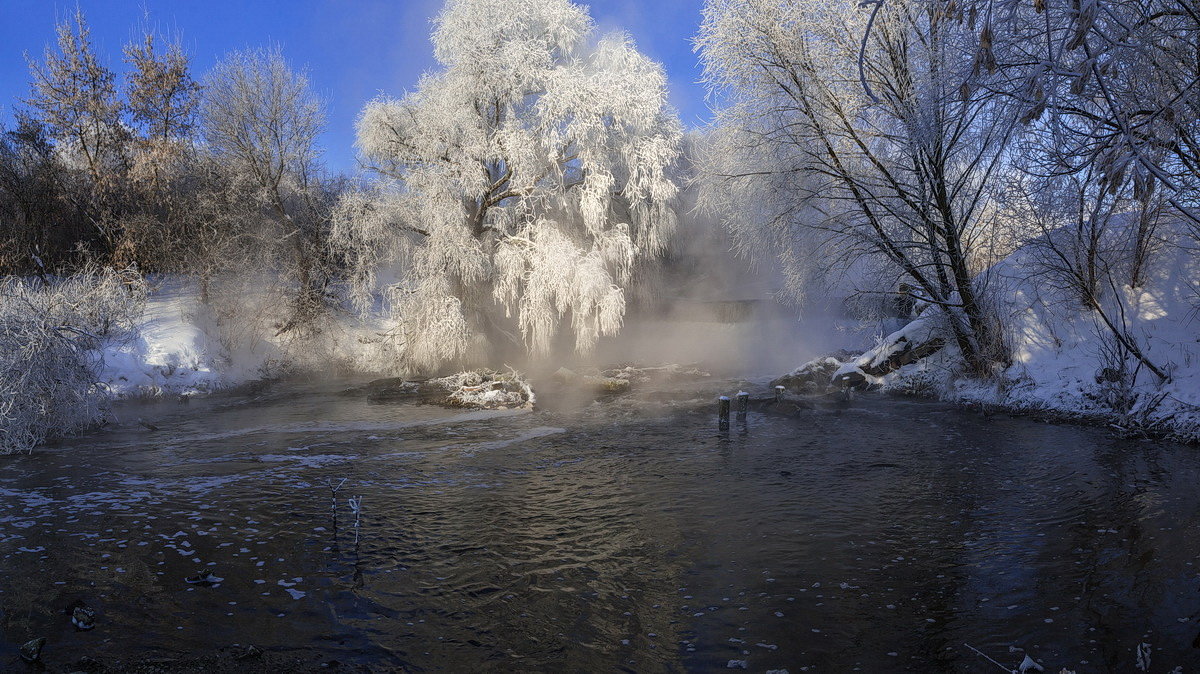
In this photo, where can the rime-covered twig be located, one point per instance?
(355, 507)
(333, 490)
(986, 657)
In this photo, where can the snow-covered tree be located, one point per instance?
(522, 181)
(261, 118)
(1115, 82)
(1109, 149)
(854, 132)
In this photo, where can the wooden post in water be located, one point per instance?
(723, 413)
(743, 406)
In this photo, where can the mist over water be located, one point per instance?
(704, 304)
(747, 338)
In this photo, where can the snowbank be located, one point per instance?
(175, 348)
(183, 346)
(1063, 358)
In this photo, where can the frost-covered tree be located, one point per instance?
(261, 121)
(854, 132)
(1110, 104)
(162, 95)
(1116, 83)
(52, 331)
(75, 96)
(522, 181)
(161, 100)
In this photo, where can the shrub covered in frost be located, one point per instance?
(51, 331)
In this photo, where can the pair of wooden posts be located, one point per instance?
(743, 406)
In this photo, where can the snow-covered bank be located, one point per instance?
(169, 351)
(182, 346)
(1064, 358)
(177, 346)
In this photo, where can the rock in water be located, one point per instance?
(484, 389)
(204, 578)
(31, 651)
(250, 651)
(382, 390)
(385, 390)
(83, 618)
(88, 664)
(609, 384)
(811, 377)
(590, 382)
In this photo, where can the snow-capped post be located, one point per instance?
(723, 413)
(779, 394)
(743, 406)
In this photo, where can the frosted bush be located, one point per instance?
(51, 332)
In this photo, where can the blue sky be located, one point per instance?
(353, 49)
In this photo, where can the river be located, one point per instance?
(627, 534)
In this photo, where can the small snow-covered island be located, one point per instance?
(553, 335)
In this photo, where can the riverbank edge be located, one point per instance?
(1115, 422)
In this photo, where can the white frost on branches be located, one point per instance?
(892, 168)
(526, 178)
(51, 334)
(547, 275)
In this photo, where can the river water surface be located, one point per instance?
(876, 535)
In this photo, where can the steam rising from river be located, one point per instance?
(704, 304)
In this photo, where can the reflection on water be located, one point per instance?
(879, 536)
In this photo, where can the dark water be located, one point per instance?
(879, 535)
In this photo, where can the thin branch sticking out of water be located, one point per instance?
(356, 507)
(333, 490)
(987, 657)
